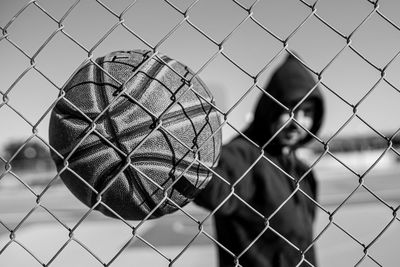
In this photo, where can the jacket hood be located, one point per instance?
(289, 84)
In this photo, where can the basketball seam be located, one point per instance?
(172, 171)
(211, 129)
(164, 159)
(156, 69)
(145, 57)
(125, 135)
(104, 102)
(183, 114)
(170, 119)
(191, 122)
(140, 187)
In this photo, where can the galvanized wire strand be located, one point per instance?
(187, 246)
(352, 237)
(28, 251)
(299, 26)
(86, 248)
(364, 21)
(288, 242)
(105, 36)
(127, 244)
(119, 17)
(397, 27)
(17, 15)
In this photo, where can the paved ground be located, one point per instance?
(355, 225)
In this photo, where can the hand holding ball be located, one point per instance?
(132, 134)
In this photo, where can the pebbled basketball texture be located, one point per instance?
(140, 107)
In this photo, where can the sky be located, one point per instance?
(91, 27)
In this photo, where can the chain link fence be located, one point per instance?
(47, 53)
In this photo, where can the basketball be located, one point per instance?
(134, 135)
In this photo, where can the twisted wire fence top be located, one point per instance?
(234, 46)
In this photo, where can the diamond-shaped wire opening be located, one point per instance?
(30, 162)
(105, 238)
(24, 256)
(378, 182)
(179, 231)
(236, 102)
(126, 41)
(85, 238)
(352, 15)
(386, 244)
(374, 117)
(33, 21)
(267, 15)
(143, 235)
(241, 114)
(73, 253)
(323, 36)
(88, 31)
(357, 77)
(68, 54)
(251, 38)
(198, 240)
(26, 96)
(13, 239)
(384, 40)
(8, 180)
(387, 10)
(218, 31)
(20, 158)
(42, 233)
(339, 111)
(349, 217)
(187, 53)
(149, 28)
(9, 11)
(351, 153)
(18, 63)
(299, 254)
(332, 191)
(339, 245)
(62, 204)
(56, 10)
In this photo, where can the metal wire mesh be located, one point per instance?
(134, 231)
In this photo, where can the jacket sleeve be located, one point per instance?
(310, 179)
(314, 192)
(311, 187)
(234, 164)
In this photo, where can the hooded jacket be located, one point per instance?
(259, 219)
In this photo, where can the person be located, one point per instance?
(260, 217)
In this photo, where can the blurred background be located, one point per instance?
(352, 45)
